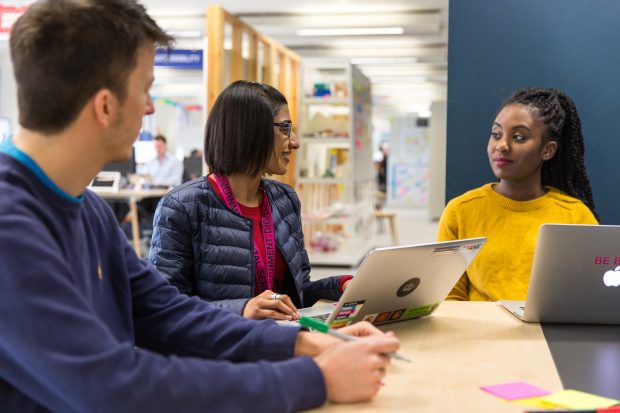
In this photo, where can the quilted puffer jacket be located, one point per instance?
(206, 249)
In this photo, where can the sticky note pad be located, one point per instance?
(533, 402)
(575, 399)
(513, 391)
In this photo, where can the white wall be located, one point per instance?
(437, 164)
(8, 97)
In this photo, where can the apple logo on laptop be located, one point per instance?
(612, 278)
(410, 285)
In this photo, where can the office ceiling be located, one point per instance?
(408, 70)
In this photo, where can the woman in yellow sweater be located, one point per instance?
(536, 151)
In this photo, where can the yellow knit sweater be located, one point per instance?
(501, 271)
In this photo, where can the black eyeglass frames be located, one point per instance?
(285, 127)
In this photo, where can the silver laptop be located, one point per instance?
(400, 283)
(106, 181)
(575, 276)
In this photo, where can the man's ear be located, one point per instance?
(105, 105)
(550, 149)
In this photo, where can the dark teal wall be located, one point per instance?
(497, 46)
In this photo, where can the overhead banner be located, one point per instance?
(179, 58)
(8, 15)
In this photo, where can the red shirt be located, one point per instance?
(253, 213)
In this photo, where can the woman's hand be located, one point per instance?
(271, 305)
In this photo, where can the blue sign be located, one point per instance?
(179, 58)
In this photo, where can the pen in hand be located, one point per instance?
(324, 328)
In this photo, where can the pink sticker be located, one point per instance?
(513, 391)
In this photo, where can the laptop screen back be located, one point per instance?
(575, 275)
(401, 283)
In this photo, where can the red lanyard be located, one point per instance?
(264, 273)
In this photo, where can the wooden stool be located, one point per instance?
(379, 200)
(391, 218)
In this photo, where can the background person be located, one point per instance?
(164, 169)
(88, 326)
(196, 153)
(380, 159)
(193, 165)
(536, 151)
(234, 238)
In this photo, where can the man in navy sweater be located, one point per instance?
(85, 325)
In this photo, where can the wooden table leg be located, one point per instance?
(392, 219)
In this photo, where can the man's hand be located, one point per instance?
(353, 370)
(264, 306)
(313, 344)
(363, 328)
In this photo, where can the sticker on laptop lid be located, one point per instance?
(349, 310)
(445, 251)
(397, 314)
(340, 323)
(370, 317)
(382, 317)
(475, 246)
(347, 313)
(408, 287)
(416, 312)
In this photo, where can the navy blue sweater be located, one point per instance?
(86, 326)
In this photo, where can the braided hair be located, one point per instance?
(566, 170)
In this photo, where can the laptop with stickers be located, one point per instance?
(399, 283)
(575, 276)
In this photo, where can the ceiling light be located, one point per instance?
(398, 79)
(424, 113)
(382, 60)
(185, 34)
(350, 31)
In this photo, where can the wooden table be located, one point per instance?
(462, 346)
(132, 197)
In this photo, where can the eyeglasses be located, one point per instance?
(285, 127)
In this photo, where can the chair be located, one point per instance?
(381, 216)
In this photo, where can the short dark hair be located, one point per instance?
(64, 51)
(566, 170)
(239, 135)
(160, 137)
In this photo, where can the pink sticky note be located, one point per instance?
(513, 391)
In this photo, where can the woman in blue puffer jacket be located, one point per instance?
(233, 237)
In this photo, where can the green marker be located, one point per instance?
(324, 328)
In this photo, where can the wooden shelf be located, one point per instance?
(340, 155)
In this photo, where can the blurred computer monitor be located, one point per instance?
(125, 168)
(5, 129)
(192, 167)
(144, 151)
